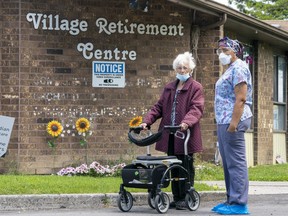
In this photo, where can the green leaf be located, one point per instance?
(51, 144)
(83, 142)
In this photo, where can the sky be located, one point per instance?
(225, 2)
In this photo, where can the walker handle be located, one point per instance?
(186, 141)
(171, 128)
(137, 129)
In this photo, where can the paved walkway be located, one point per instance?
(257, 187)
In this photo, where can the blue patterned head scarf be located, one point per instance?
(235, 45)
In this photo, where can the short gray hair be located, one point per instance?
(184, 58)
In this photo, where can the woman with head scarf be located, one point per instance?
(233, 100)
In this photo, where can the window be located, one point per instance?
(279, 93)
(249, 59)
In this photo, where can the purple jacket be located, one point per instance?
(189, 109)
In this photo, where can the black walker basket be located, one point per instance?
(140, 176)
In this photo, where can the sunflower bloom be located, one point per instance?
(136, 121)
(82, 125)
(54, 128)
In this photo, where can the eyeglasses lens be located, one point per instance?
(219, 51)
(180, 68)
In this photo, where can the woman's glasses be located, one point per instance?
(222, 50)
(182, 68)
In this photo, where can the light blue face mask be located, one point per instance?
(182, 77)
(225, 59)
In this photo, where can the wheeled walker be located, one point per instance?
(154, 173)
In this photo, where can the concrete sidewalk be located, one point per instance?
(81, 201)
(257, 187)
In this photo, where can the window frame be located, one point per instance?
(283, 102)
(248, 57)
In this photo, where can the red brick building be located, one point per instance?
(50, 52)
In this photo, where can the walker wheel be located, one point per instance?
(162, 202)
(151, 200)
(192, 200)
(125, 201)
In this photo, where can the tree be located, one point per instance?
(263, 9)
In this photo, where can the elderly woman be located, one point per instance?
(181, 103)
(233, 98)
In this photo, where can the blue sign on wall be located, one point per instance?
(108, 74)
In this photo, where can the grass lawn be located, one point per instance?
(278, 172)
(53, 184)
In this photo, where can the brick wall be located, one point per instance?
(44, 77)
(10, 72)
(264, 106)
(207, 72)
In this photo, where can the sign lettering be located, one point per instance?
(6, 125)
(108, 74)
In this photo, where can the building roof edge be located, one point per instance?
(218, 9)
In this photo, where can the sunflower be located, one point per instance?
(82, 125)
(136, 121)
(54, 128)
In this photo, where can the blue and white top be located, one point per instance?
(237, 72)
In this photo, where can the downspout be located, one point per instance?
(195, 34)
(221, 22)
(19, 93)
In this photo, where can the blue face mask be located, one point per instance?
(182, 77)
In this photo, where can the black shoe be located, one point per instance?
(172, 205)
(181, 205)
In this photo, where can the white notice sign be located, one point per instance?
(108, 74)
(6, 125)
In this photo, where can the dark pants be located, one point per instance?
(178, 187)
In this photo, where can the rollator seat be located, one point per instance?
(151, 158)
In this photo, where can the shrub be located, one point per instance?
(95, 169)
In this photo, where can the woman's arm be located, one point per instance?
(240, 91)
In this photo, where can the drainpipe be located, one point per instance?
(195, 35)
(221, 22)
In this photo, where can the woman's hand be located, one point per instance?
(184, 126)
(144, 126)
(232, 129)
